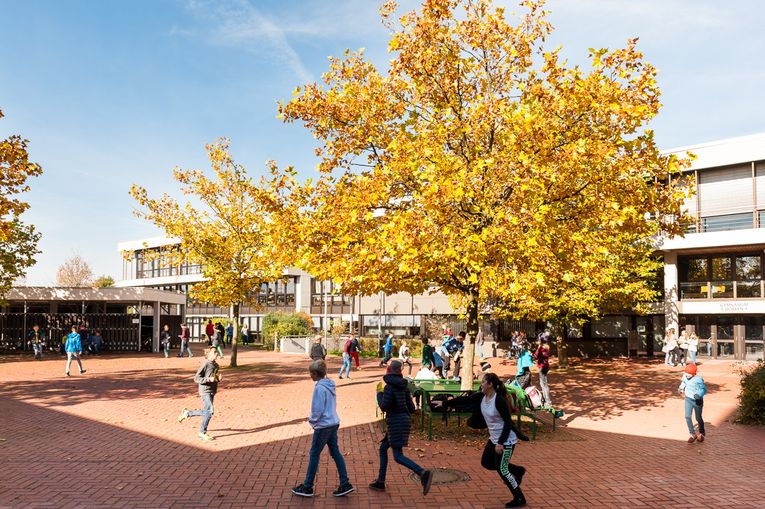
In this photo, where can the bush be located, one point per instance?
(751, 408)
(284, 324)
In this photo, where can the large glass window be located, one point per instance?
(697, 269)
(748, 268)
(721, 268)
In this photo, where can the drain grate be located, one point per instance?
(445, 476)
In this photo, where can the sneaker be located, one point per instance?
(302, 491)
(377, 485)
(700, 437)
(558, 414)
(517, 502)
(343, 490)
(426, 479)
(83, 372)
(184, 415)
(204, 437)
(691, 439)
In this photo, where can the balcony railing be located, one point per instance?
(723, 290)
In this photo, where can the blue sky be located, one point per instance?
(112, 93)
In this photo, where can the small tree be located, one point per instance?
(481, 165)
(74, 272)
(103, 282)
(18, 241)
(228, 230)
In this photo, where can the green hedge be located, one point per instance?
(751, 408)
(284, 324)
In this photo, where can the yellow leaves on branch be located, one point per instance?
(228, 225)
(481, 164)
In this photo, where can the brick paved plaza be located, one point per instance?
(110, 438)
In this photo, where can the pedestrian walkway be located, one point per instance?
(110, 438)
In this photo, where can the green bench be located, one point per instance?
(427, 388)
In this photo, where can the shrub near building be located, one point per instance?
(284, 324)
(751, 408)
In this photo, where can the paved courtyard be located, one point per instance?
(110, 438)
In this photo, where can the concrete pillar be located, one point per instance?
(671, 292)
(303, 293)
(157, 308)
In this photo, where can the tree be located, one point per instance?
(103, 282)
(230, 232)
(74, 272)
(482, 166)
(18, 241)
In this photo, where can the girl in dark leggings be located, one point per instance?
(492, 409)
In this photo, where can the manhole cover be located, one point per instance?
(445, 476)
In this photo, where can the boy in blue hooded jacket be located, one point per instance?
(694, 389)
(325, 422)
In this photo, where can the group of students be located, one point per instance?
(492, 409)
(438, 357)
(677, 349)
(89, 343)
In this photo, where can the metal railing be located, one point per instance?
(722, 290)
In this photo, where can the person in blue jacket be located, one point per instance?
(325, 422)
(73, 349)
(694, 389)
(525, 361)
(388, 349)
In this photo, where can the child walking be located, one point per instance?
(397, 404)
(325, 422)
(73, 348)
(207, 377)
(694, 389)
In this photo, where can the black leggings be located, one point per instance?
(500, 463)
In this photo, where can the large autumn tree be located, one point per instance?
(482, 165)
(225, 226)
(18, 241)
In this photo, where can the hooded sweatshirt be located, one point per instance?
(323, 413)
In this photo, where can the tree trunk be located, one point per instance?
(466, 373)
(233, 315)
(559, 333)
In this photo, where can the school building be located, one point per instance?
(713, 277)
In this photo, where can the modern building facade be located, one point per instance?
(713, 277)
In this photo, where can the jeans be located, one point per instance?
(693, 356)
(38, 348)
(479, 350)
(398, 456)
(692, 407)
(325, 437)
(346, 366)
(386, 358)
(206, 413)
(668, 358)
(167, 350)
(185, 348)
(69, 356)
(545, 387)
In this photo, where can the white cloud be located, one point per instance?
(239, 24)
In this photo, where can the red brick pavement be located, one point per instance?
(110, 438)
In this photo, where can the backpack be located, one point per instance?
(535, 397)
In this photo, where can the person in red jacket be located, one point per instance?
(542, 356)
(209, 330)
